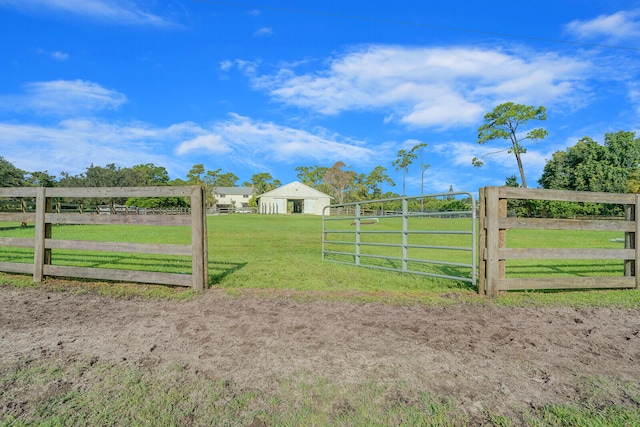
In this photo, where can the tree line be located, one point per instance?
(611, 166)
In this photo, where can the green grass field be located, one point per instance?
(271, 253)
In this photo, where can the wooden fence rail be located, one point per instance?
(493, 236)
(43, 243)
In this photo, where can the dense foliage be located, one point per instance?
(590, 166)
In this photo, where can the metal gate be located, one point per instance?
(432, 235)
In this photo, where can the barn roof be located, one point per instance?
(295, 190)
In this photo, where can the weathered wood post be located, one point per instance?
(482, 244)
(492, 265)
(629, 240)
(199, 254)
(502, 235)
(41, 255)
(636, 241)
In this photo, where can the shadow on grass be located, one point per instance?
(567, 270)
(219, 270)
(431, 269)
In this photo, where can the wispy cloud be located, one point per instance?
(425, 86)
(119, 11)
(237, 144)
(623, 25)
(72, 145)
(57, 55)
(63, 97)
(264, 32)
(258, 142)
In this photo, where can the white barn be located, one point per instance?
(294, 197)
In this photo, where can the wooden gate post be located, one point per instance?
(492, 261)
(482, 244)
(39, 251)
(632, 241)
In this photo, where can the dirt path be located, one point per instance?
(483, 356)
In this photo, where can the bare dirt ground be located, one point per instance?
(483, 356)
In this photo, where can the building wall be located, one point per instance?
(240, 200)
(278, 205)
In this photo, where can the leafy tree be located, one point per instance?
(622, 156)
(198, 175)
(98, 176)
(263, 182)
(580, 168)
(226, 180)
(339, 180)
(503, 123)
(375, 179)
(633, 182)
(150, 174)
(589, 166)
(404, 160)
(67, 180)
(194, 177)
(359, 188)
(313, 176)
(40, 179)
(10, 176)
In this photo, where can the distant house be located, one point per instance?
(294, 197)
(231, 198)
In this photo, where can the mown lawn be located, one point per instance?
(269, 254)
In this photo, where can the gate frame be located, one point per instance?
(405, 215)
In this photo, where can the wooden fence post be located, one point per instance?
(629, 239)
(502, 236)
(636, 242)
(482, 244)
(199, 254)
(492, 267)
(39, 253)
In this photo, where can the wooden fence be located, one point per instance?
(494, 224)
(43, 243)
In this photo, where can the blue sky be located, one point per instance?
(268, 86)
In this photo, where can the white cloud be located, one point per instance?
(225, 65)
(623, 25)
(57, 55)
(264, 32)
(257, 142)
(62, 97)
(428, 87)
(72, 145)
(239, 144)
(119, 11)
(496, 157)
(211, 143)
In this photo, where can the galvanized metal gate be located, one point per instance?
(406, 234)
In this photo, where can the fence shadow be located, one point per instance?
(218, 270)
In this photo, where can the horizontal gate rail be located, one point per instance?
(406, 232)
